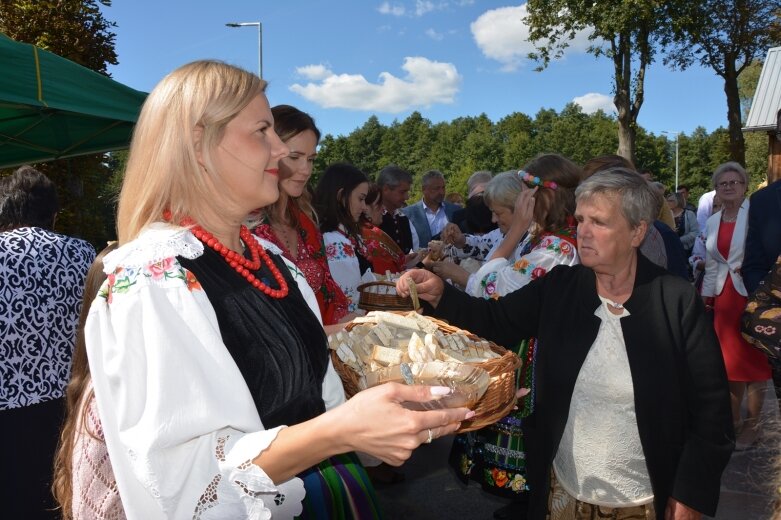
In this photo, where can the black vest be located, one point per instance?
(398, 228)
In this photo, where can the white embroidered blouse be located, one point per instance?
(180, 425)
(344, 266)
(501, 276)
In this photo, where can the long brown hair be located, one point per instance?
(554, 208)
(288, 123)
(75, 401)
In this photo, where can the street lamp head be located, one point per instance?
(232, 25)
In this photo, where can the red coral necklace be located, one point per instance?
(239, 263)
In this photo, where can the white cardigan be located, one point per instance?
(180, 424)
(716, 266)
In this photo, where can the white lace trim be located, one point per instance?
(156, 243)
(600, 458)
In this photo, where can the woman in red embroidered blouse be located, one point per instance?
(290, 223)
(383, 252)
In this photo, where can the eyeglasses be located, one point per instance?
(731, 184)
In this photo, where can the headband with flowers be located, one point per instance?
(531, 180)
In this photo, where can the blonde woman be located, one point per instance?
(209, 364)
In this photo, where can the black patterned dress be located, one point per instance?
(41, 284)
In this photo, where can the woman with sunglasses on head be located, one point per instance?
(210, 366)
(291, 223)
(724, 292)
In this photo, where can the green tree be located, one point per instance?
(625, 31)
(726, 36)
(364, 146)
(77, 30)
(756, 142)
(515, 133)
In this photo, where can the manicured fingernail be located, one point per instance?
(469, 415)
(440, 390)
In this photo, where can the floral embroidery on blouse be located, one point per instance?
(499, 277)
(311, 262)
(123, 278)
(339, 251)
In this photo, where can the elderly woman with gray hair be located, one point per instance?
(724, 292)
(533, 208)
(632, 415)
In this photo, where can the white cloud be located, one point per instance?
(434, 35)
(395, 9)
(423, 6)
(594, 101)
(502, 35)
(314, 72)
(426, 83)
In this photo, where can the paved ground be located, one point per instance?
(432, 492)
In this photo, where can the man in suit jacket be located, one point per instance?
(394, 183)
(430, 215)
(763, 241)
(763, 246)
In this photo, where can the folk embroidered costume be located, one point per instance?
(496, 455)
(348, 262)
(235, 360)
(310, 258)
(382, 252)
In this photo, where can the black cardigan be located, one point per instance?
(682, 399)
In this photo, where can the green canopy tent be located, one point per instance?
(53, 108)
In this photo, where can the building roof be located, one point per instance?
(767, 98)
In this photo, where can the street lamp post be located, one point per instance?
(677, 134)
(260, 41)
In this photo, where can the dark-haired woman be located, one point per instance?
(290, 223)
(340, 200)
(384, 254)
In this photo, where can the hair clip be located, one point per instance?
(530, 179)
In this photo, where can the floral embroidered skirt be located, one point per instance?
(495, 456)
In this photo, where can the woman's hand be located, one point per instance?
(452, 235)
(449, 270)
(677, 511)
(523, 214)
(414, 258)
(428, 285)
(708, 301)
(375, 421)
(435, 250)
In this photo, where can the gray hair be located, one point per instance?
(430, 176)
(392, 176)
(730, 166)
(637, 200)
(480, 177)
(503, 189)
(678, 197)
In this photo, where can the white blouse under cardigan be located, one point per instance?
(180, 424)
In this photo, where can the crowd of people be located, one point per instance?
(184, 372)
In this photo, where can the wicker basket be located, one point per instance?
(498, 400)
(377, 301)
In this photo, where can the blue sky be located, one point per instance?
(344, 60)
